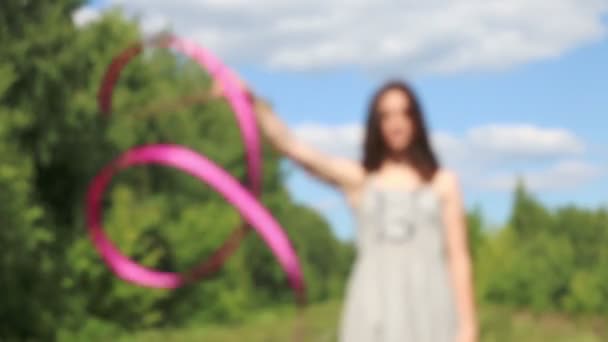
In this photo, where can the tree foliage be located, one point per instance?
(53, 141)
(546, 259)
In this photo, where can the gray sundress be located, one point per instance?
(399, 289)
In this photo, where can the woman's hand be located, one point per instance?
(217, 89)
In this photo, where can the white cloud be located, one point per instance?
(511, 142)
(342, 140)
(387, 36)
(482, 153)
(561, 176)
(508, 143)
(525, 140)
(85, 15)
(152, 24)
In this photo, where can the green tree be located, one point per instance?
(31, 33)
(546, 259)
(528, 216)
(53, 141)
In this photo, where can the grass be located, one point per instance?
(316, 323)
(501, 324)
(320, 322)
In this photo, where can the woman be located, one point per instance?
(412, 277)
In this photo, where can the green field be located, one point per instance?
(320, 323)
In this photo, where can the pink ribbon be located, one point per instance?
(196, 165)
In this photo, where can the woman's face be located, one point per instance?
(395, 121)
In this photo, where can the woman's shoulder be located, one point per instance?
(445, 176)
(446, 182)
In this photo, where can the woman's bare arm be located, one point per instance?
(345, 174)
(459, 255)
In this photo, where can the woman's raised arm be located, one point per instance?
(342, 173)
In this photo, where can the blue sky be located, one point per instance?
(518, 96)
(565, 92)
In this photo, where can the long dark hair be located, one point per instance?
(419, 151)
